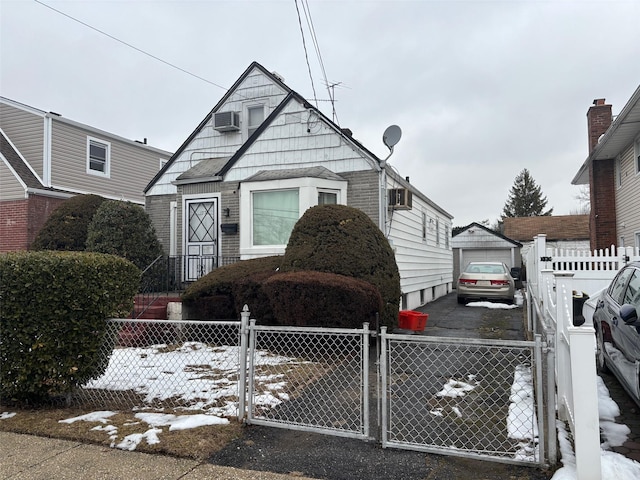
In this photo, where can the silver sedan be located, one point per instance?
(486, 281)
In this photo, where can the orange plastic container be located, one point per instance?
(412, 320)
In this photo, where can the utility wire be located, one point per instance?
(306, 56)
(316, 44)
(132, 46)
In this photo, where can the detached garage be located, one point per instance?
(476, 243)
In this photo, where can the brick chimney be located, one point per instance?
(602, 221)
(599, 119)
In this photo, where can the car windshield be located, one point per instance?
(484, 268)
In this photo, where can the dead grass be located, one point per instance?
(196, 443)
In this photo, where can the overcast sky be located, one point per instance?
(480, 89)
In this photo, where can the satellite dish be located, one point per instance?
(391, 136)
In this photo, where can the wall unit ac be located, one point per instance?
(400, 199)
(226, 121)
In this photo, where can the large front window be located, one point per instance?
(274, 215)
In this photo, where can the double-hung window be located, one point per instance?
(274, 215)
(636, 155)
(255, 116)
(98, 157)
(327, 197)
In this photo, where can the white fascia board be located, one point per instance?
(13, 172)
(21, 157)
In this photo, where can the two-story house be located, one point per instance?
(264, 155)
(612, 171)
(46, 158)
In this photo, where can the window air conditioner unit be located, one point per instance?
(226, 121)
(400, 199)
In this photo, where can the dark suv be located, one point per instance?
(618, 329)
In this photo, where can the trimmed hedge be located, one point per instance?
(220, 295)
(124, 229)
(53, 307)
(318, 299)
(343, 240)
(66, 228)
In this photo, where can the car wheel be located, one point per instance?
(601, 363)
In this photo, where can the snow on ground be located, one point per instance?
(517, 302)
(198, 375)
(613, 465)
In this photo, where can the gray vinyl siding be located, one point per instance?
(10, 187)
(158, 209)
(628, 198)
(131, 167)
(26, 131)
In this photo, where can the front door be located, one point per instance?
(201, 237)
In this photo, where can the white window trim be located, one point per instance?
(636, 156)
(308, 188)
(247, 107)
(107, 166)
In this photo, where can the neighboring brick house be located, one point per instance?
(562, 231)
(260, 158)
(45, 159)
(612, 171)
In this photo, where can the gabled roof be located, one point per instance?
(291, 96)
(561, 227)
(18, 164)
(475, 225)
(622, 131)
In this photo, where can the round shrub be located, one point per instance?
(318, 299)
(343, 240)
(222, 293)
(66, 228)
(53, 306)
(124, 229)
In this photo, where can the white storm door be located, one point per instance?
(201, 237)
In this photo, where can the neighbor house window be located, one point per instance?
(437, 231)
(636, 155)
(618, 172)
(424, 226)
(446, 236)
(98, 157)
(638, 240)
(255, 116)
(327, 197)
(274, 215)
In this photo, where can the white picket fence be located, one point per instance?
(554, 276)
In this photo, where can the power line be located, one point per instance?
(132, 46)
(306, 56)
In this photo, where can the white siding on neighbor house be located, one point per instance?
(209, 143)
(286, 144)
(10, 187)
(26, 131)
(131, 167)
(628, 199)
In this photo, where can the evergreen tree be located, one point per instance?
(525, 198)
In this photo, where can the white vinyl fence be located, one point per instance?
(554, 278)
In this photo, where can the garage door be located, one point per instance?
(485, 255)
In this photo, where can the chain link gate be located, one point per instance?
(463, 397)
(327, 392)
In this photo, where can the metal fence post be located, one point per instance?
(383, 375)
(242, 364)
(249, 371)
(365, 378)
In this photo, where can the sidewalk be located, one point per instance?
(27, 457)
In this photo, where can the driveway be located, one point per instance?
(335, 458)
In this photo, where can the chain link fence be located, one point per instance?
(168, 364)
(328, 392)
(468, 397)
